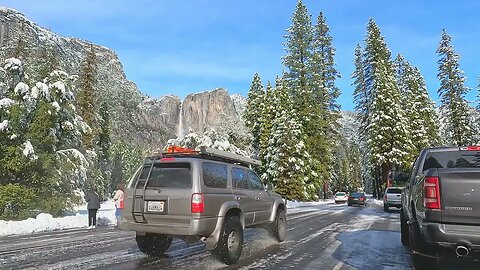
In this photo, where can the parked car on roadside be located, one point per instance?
(208, 195)
(357, 198)
(340, 197)
(392, 198)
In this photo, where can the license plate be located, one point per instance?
(356, 199)
(155, 206)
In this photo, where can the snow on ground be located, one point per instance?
(295, 204)
(45, 222)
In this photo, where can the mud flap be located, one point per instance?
(212, 240)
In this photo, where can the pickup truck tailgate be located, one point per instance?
(460, 195)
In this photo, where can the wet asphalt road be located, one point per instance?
(327, 236)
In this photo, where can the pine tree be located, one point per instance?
(104, 145)
(253, 110)
(388, 134)
(47, 62)
(360, 95)
(289, 160)
(322, 126)
(419, 107)
(267, 118)
(298, 46)
(322, 69)
(454, 108)
(86, 96)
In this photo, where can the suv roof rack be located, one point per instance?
(209, 153)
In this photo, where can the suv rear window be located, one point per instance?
(340, 194)
(174, 175)
(394, 191)
(452, 159)
(214, 175)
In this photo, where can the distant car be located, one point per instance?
(340, 197)
(357, 198)
(392, 198)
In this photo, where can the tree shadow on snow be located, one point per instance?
(367, 249)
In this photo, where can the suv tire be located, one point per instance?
(153, 244)
(230, 244)
(279, 226)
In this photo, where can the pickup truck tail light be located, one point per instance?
(198, 205)
(431, 193)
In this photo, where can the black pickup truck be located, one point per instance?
(440, 214)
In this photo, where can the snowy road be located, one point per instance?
(325, 236)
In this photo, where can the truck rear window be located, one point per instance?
(172, 175)
(394, 191)
(452, 159)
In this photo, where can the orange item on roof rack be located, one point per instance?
(181, 150)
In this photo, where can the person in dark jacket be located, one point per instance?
(93, 204)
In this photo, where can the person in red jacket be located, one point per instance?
(119, 201)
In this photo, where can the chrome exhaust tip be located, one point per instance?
(462, 251)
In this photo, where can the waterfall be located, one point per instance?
(180, 122)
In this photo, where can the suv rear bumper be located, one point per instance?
(197, 227)
(449, 236)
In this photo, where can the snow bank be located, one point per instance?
(295, 204)
(45, 222)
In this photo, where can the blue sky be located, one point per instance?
(182, 47)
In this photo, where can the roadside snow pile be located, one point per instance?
(376, 202)
(45, 222)
(296, 204)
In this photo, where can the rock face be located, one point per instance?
(207, 109)
(136, 118)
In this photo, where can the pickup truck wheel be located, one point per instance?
(416, 244)
(230, 245)
(153, 244)
(279, 226)
(403, 229)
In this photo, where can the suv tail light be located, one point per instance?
(198, 205)
(431, 190)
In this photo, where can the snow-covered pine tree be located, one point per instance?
(322, 126)
(266, 121)
(419, 107)
(322, 69)
(253, 110)
(289, 163)
(43, 140)
(388, 134)
(360, 95)
(86, 99)
(104, 145)
(298, 46)
(454, 108)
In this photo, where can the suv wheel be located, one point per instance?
(230, 245)
(153, 244)
(279, 226)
